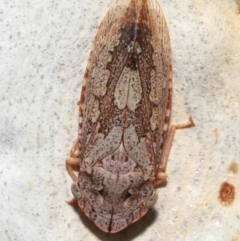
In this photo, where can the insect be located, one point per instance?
(124, 113)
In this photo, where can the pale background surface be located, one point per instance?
(44, 46)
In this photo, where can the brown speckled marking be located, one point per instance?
(124, 114)
(233, 167)
(227, 193)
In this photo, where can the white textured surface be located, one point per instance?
(44, 46)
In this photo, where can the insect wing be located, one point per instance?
(127, 87)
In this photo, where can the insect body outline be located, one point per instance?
(124, 114)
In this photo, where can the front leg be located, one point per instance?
(161, 176)
(71, 162)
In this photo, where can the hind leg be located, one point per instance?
(161, 176)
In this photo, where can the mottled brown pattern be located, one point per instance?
(121, 141)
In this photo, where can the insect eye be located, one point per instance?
(76, 192)
(152, 200)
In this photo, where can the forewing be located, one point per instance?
(99, 120)
(127, 86)
(143, 138)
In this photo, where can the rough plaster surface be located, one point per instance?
(44, 46)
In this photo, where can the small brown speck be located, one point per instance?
(227, 193)
(233, 167)
(82, 95)
(86, 73)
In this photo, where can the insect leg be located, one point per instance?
(73, 160)
(71, 163)
(161, 176)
